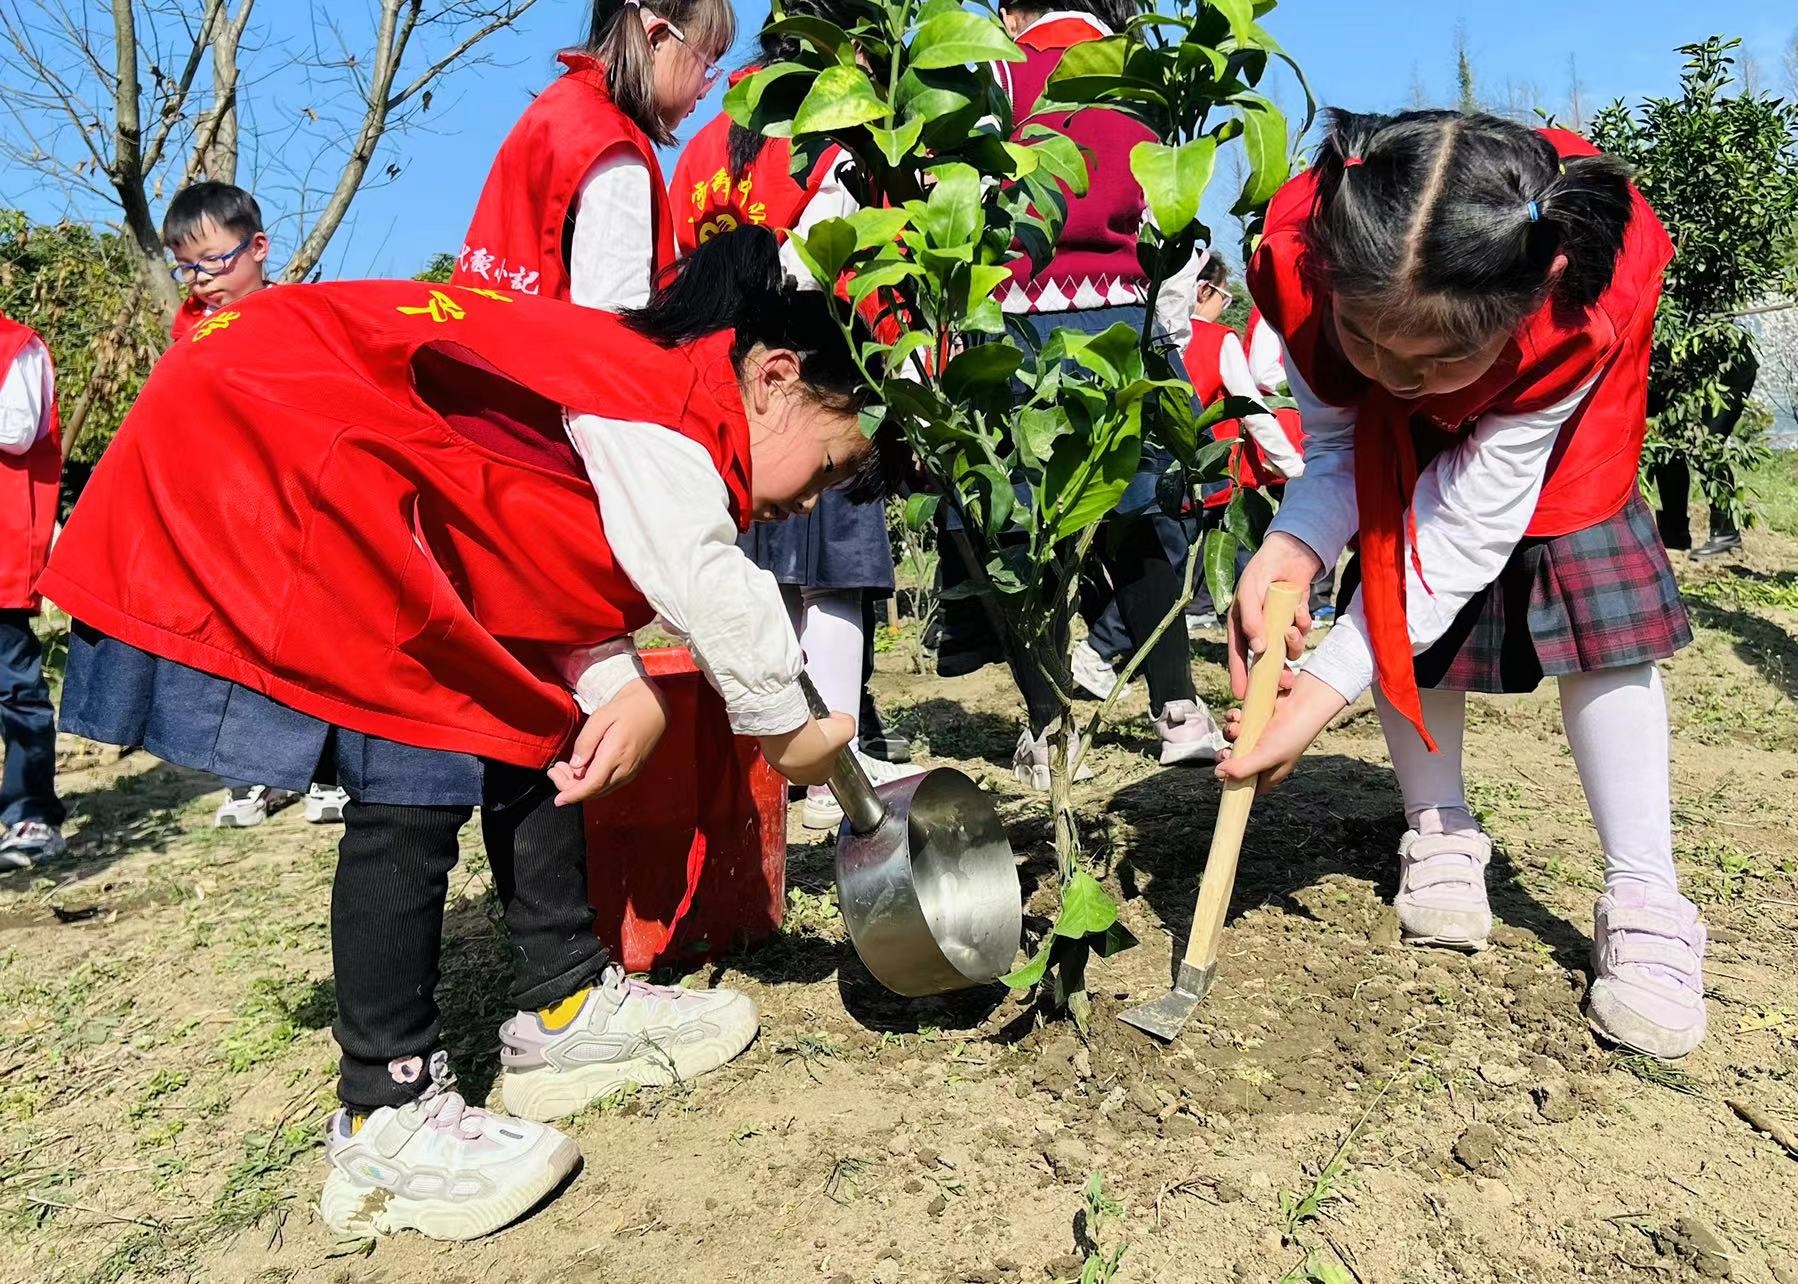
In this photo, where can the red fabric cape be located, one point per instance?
(1592, 472)
(359, 499)
(517, 238)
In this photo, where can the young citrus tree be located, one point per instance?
(1032, 444)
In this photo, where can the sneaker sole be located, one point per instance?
(1465, 944)
(1186, 755)
(324, 814)
(237, 822)
(548, 1094)
(351, 1208)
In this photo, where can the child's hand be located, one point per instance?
(806, 755)
(1281, 557)
(612, 748)
(1300, 715)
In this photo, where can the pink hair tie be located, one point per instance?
(1350, 163)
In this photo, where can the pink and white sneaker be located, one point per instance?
(1648, 957)
(438, 1166)
(620, 1034)
(1442, 890)
(1188, 733)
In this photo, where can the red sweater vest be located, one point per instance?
(359, 499)
(519, 235)
(708, 200)
(1592, 472)
(30, 488)
(1094, 263)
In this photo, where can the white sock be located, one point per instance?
(829, 625)
(1434, 789)
(1616, 721)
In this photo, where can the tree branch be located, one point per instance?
(505, 19)
(173, 109)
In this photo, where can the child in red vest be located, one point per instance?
(31, 814)
(575, 206)
(1093, 281)
(417, 491)
(1467, 307)
(826, 561)
(215, 232)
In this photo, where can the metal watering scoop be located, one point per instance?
(926, 880)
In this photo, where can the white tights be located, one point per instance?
(829, 625)
(1616, 723)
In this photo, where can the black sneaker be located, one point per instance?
(1716, 546)
(877, 740)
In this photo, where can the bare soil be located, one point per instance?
(1341, 1108)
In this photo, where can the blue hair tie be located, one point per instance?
(1534, 211)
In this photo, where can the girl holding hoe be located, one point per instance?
(456, 506)
(1467, 307)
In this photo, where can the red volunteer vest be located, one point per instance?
(709, 201)
(519, 235)
(1205, 371)
(1592, 471)
(30, 488)
(1096, 252)
(359, 500)
(1289, 419)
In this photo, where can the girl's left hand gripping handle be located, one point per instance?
(854, 791)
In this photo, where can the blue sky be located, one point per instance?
(1364, 54)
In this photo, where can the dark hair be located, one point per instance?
(1451, 223)
(782, 46)
(617, 37)
(1214, 271)
(735, 281)
(1115, 14)
(230, 208)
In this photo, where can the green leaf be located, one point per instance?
(1110, 474)
(960, 37)
(1031, 974)
(1086, 908)
(910, 342)
(1036, 432)
(1099, 60)
(841, 98)
(928, 96)
(862, 284)
(1060, 156)
(920, 512)
(877, 226)
(1220, 568)
(1241, 14)
(1173, 180)
(830, 245)
(953, 214)
(983, 279)
(1264, 139)
(896, 144)
(983, 365)
(823, 36)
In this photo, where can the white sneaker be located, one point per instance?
(438, 1166)
(823, 811)
(620, 1033)
(1091, 673)
(1030, 764)
(325, 804)
(1188, 733)
(31, 842)
(248, 807)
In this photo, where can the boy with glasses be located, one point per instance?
(215, 232)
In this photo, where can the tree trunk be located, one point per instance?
(128, 163)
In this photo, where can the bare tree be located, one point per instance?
(1576, 104)
(125, 101)
(1420, 94)
(1789, 61)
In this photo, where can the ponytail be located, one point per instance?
(735, 281)
(619, 38)
(1453, 222)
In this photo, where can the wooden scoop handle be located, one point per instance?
(1281, 605)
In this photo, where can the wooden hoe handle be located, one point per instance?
(1281, 605)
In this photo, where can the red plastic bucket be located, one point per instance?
(689, 860)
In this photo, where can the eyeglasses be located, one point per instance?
(214, 266)
(1218, 290)
(712, 69)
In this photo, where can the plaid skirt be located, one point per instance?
(1599, 598)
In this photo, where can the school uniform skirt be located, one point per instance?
(118, 694)
(1599, 598)
(839, 545)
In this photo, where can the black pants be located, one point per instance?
(28, 721)
(393, 869)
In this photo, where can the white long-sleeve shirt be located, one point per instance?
(27, 392)
(1267, 357)
(667, 521)
(612, 253)
(1263, 430)
(1471, 507)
